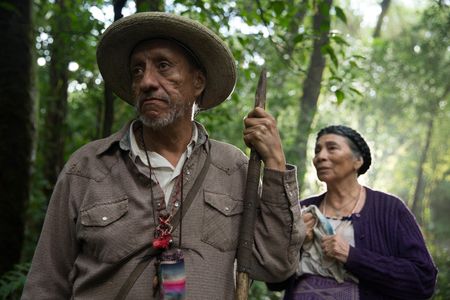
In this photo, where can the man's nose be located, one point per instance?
(150, 80)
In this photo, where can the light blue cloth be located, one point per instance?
(313, 260)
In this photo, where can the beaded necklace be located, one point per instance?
(338, 216)
(163, 231)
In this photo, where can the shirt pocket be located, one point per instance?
(221, 218)
(106, 232)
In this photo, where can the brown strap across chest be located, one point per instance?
(152, 252)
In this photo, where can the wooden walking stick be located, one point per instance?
(251, 202)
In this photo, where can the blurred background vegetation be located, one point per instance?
(379, 66)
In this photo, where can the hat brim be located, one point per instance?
(119, 39)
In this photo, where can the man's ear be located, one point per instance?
(199, 83)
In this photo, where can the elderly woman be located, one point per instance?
(361, 243)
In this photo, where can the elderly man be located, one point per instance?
(114, 227)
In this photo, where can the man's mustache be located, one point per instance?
(152, 95)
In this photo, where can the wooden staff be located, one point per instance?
(251, 202)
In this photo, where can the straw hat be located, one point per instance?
(119, 39)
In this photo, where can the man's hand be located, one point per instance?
(335, 246)
(261, 133)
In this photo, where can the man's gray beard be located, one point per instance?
(176, 111)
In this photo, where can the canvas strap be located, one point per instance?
(152, 252)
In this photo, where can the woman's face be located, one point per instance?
(334, 160)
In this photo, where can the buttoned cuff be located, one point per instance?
(279, 185)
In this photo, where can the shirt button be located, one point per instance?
(158, 204)
(227, 208)
(105, 218)
(290, 194)
(176, 204)
(358, 215)
(188, 172)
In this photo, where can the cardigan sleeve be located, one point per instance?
(408, 274)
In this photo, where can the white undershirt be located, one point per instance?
(345, 229)
(162, 170)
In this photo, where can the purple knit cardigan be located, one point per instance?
(390, 258)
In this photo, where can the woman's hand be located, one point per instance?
(334, 246)
(309, 221)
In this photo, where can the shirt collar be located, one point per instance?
(156, 159)
(122, 138)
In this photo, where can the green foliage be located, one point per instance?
(12, 282)
(404, 80)
(387, 89)
(340, 14)
(78, 45)
(442, 260)
(9, 7)
(259, 291)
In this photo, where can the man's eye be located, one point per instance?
(137, 71)
(163, 65)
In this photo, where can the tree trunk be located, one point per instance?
(108, 117)
(417, 204)
(56, 101)
(384, 9)
(16, 127)
(420, 185)
(312, 85)
(294, 25)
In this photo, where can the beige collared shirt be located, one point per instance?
(163, 171)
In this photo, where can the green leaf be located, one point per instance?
(340, 14)
(278, 7)
(359, 56)
(333, 72)
(324, 8)
(355, 91)
(299, 38)
(337, 78)
(324, 26)
(332, 55)
(284, 21)
(338, 39)
(9, 7)
(354, 65)
(340, 96)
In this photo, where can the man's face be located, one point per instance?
(164, 84)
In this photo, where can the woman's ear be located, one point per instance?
(358, 162)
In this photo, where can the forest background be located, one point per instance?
(379, 66)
